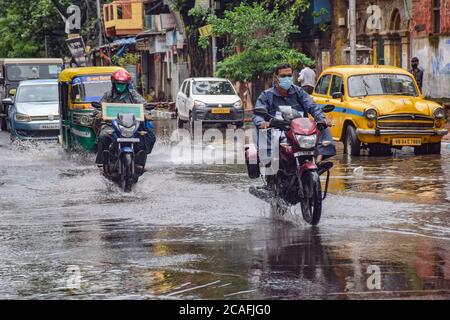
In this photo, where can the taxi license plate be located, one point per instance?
(406, 142)
(49, 126)
(220, 110)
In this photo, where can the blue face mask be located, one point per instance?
(286, 83)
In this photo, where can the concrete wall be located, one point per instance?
(434, 58)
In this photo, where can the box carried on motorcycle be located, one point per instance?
(252, 161)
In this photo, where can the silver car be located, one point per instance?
(34, 114)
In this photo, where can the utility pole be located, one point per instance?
(100, 27)
(212, 5)
(352, 13)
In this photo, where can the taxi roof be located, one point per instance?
(365, 69)
(68, 74)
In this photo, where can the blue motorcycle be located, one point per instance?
(125, 160)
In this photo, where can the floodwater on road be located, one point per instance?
(194, 231)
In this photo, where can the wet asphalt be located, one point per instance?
(194, 231)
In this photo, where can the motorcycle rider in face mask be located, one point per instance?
(122, 92)
(285, 93)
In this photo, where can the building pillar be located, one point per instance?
(405, 50)
(388, 52)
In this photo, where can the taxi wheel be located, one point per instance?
(429, 148)
(434, 148)
(352, 145)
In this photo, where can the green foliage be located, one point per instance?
(254, 64)
(258, 38)
(24, 26)
(128, 58)
(323, 26)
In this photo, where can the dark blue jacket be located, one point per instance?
(297, 99)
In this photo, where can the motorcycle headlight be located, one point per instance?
(22, 117)
(371, 114)
(238, 105)
(439, 113)
(199, 104)
(127, 132)
(307, 142)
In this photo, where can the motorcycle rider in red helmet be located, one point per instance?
(122, 92)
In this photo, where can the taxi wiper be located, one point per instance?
(366, 86)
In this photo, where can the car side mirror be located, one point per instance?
(7, 101)
(2, 80)
(337, 95)
(328, 108)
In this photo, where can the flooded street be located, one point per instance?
(194, 231)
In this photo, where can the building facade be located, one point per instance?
(431, 44)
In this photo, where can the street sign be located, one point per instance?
(206, 31)
(77, 49)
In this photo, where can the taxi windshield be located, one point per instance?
(381, 84)
(90, 89)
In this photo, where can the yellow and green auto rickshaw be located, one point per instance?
(78, 88)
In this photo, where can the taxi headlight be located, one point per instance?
(371, 114)
(20, 117)
(127, 132)
(439, 113)
(307, 142)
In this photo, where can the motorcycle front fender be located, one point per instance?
(307, 166)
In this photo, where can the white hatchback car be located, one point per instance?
(209, 100)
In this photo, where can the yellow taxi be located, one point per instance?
(379, 108)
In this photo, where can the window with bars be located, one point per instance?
(436, 16)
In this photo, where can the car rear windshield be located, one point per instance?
(381, 84)
(38, 93)
(213, 88)
(20, 72)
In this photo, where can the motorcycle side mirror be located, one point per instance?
(96, 105)
(328, 108)
(262, 112)
(149, 107)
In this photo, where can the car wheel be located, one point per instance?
(4, 124)
(378, 149)
(180, 123)
(352, 145)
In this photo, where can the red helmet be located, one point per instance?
(121, 76)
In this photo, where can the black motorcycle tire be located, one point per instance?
(126, 179)
(311, 204)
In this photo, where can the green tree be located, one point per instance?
(27, 26)
(258, 40)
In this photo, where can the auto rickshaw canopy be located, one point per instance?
(68, 74)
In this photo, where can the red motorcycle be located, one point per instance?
(298, 177)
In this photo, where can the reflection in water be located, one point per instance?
(403, 177)
(289, 262)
